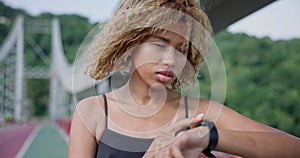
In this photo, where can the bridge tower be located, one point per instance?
(15, 71)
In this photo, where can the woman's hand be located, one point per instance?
(186, 144)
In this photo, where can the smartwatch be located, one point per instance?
(213, 137)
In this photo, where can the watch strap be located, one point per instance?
(213, 138)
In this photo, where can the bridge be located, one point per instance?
(68, 83)
(66, 80)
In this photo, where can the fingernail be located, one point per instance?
(199, 116)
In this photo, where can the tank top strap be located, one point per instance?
(186, 106)
(105, 110)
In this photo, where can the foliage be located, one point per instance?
(38, 93)
(262, 74)
(74, 28)
(263, 79)
(8, 116)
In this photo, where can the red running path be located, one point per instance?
(13, 138)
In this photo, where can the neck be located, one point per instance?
(140, 100)
(143, 94)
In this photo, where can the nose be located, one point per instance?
(169, 57)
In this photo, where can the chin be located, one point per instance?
(159, 85)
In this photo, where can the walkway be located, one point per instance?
(33, 141)
(13, 138)
(48, 143)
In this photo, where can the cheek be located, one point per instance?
(180, 62)
(145, 70)
(144, 55)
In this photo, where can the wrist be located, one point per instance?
(204, 135)
(213, 137)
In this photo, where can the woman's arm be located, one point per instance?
(87, 127)
(245, 137)
(238, 135)
(82, 142)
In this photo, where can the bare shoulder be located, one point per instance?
(90, 107)
(85, 128)
(90, 102)
(91, 113)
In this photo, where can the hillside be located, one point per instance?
(262, 75)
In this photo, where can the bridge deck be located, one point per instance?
(33, 141)
(48, 142)
(13, 138)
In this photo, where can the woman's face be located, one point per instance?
(161, 57)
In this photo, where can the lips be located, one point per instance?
(166, 73)
(165, 76)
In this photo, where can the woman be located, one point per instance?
(157, 112)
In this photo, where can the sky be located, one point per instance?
(279, 20)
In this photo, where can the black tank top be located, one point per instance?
(116, 145)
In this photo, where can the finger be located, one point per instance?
(180, 124)
(175, 152)
(161, 154)
(167, 154)
(149, 154)
(196, 121)
(154, 149)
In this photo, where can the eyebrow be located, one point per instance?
(162, 38)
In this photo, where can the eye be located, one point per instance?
(160, 45)
(182, 50)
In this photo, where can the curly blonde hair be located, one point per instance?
(135, 20)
